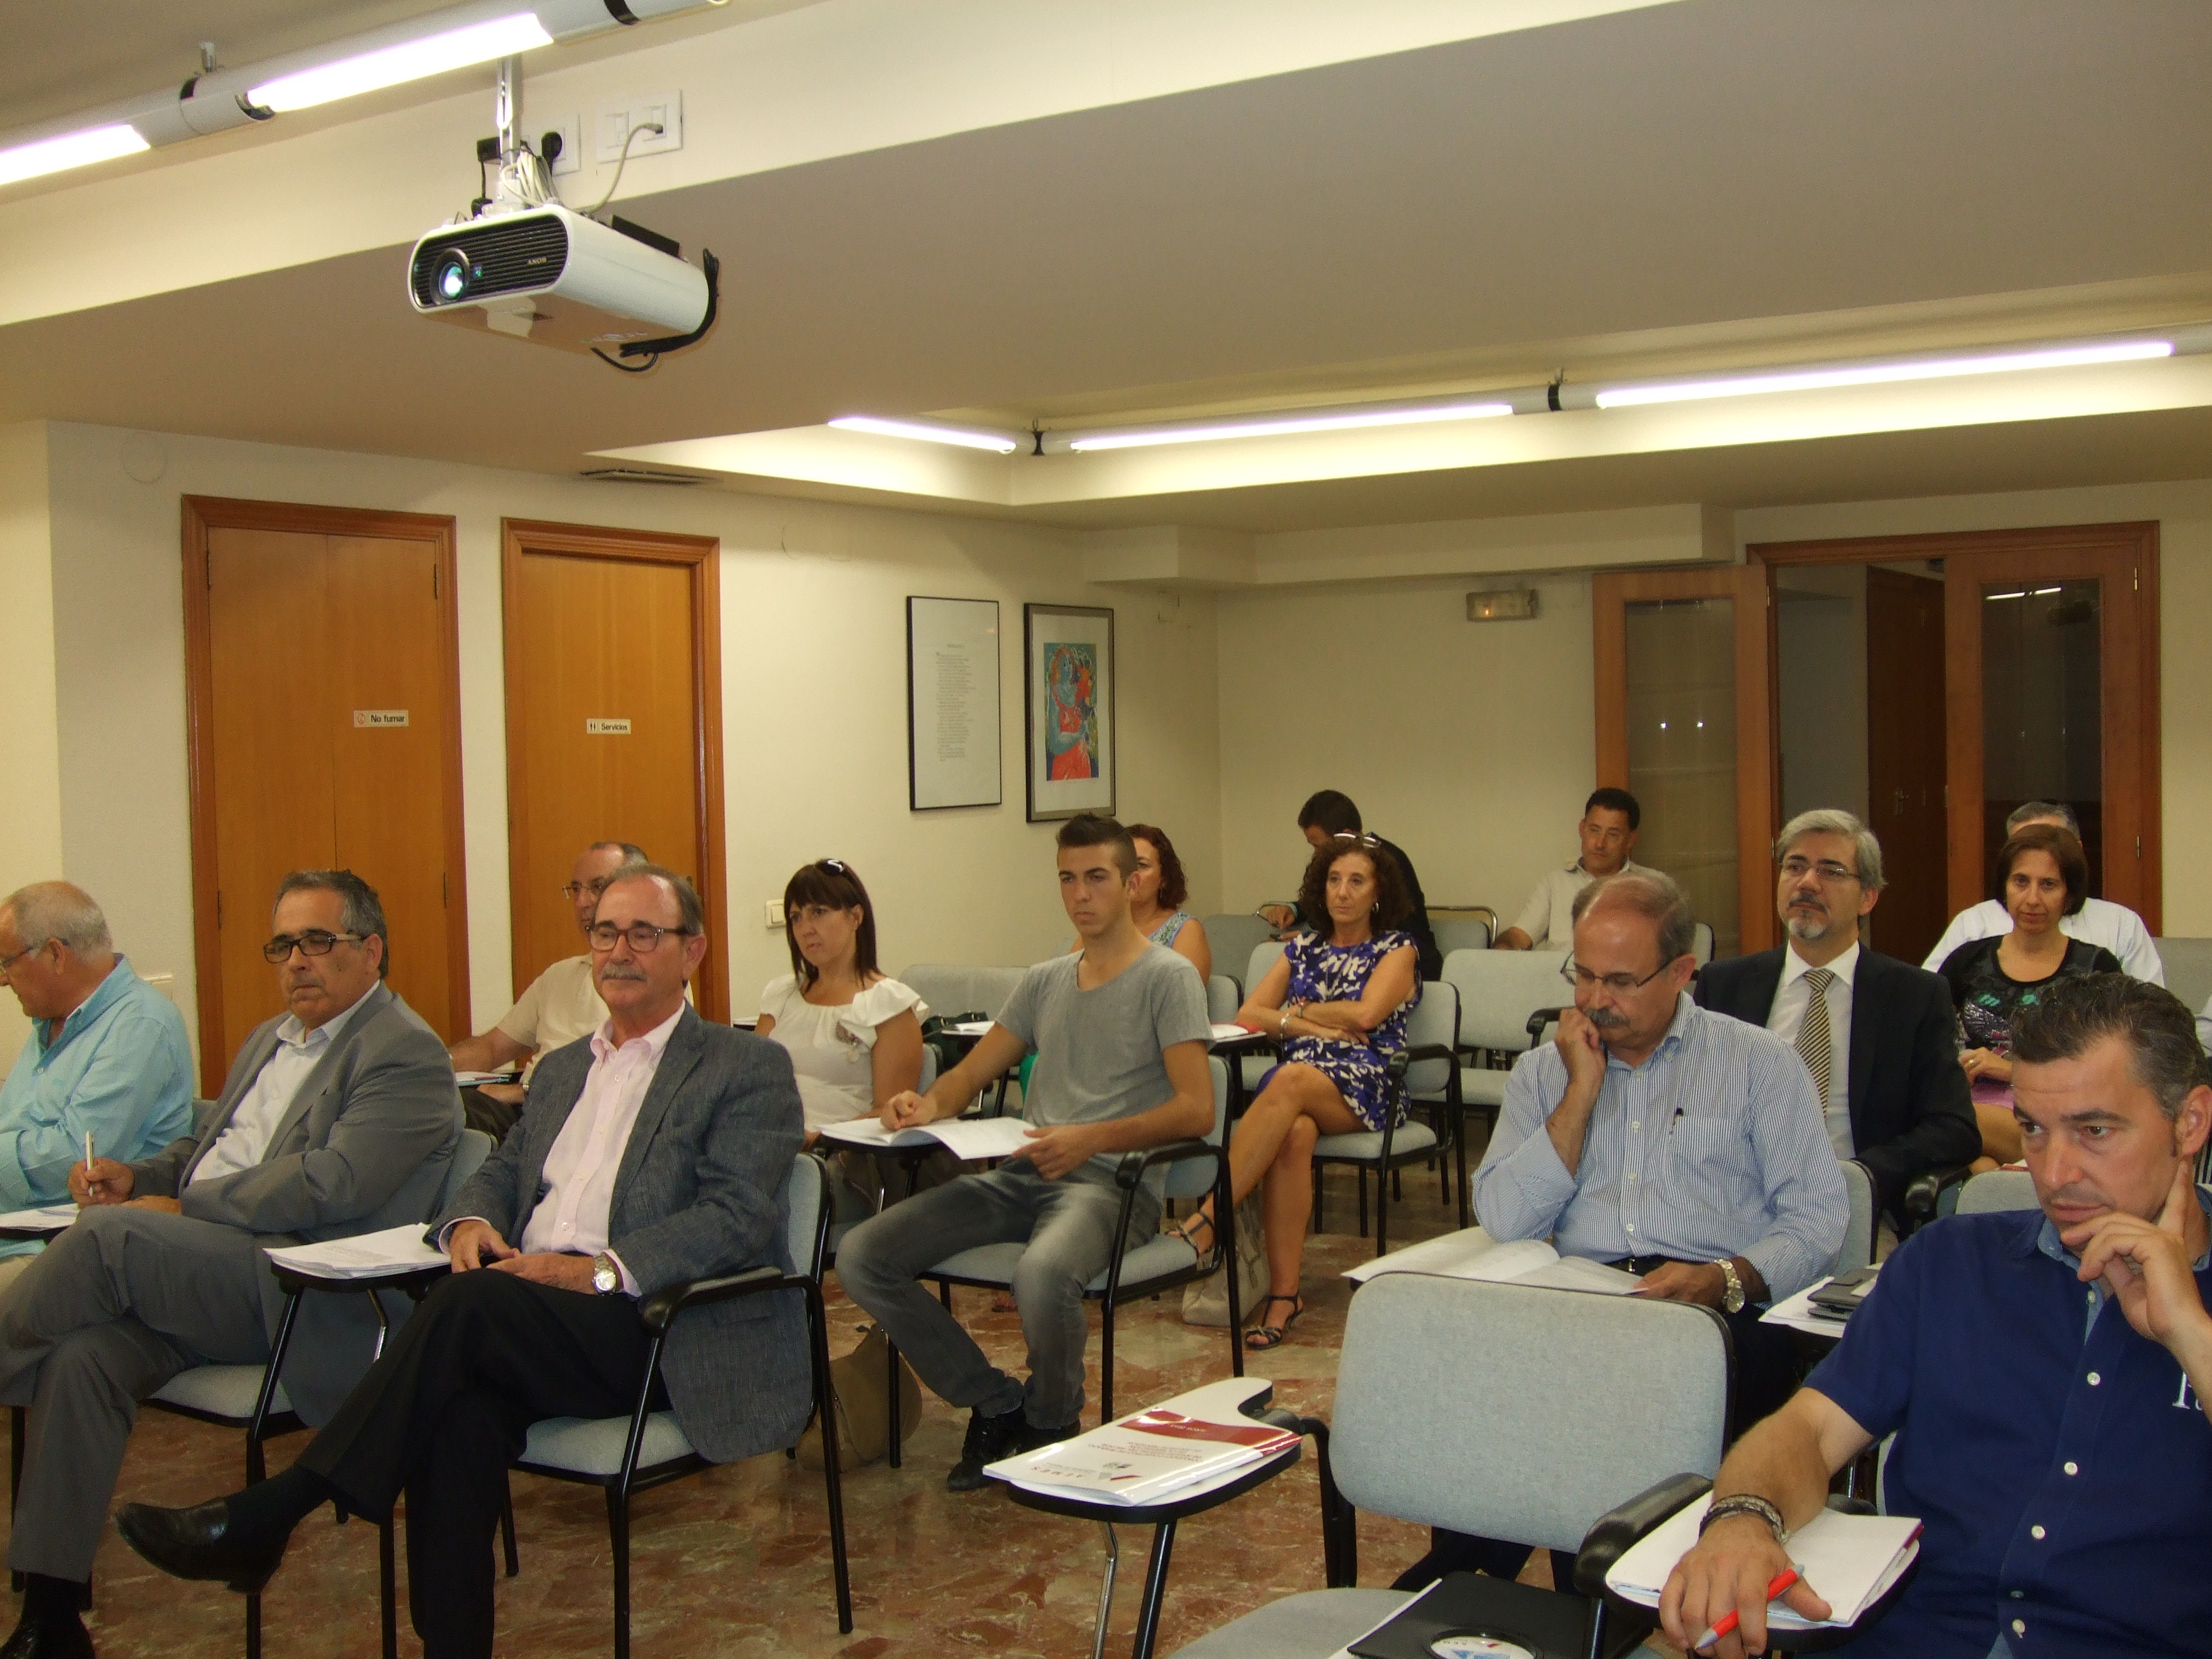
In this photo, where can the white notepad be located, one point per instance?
(968, 1138)
(44, 1218)
(1474, 1253)
(1849, 1560)
(365, 1255)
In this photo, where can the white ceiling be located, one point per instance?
(1698, 182)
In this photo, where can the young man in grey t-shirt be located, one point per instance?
(1119, 1033)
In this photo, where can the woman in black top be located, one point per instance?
(2042, 878)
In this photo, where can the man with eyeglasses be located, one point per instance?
(1680, 1145)
(656, 1153)
(339, 1117)
(108, 1060)
(1878, 1036)
(562, 1006)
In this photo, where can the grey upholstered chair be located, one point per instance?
(1997, 1189)
(1857, 1251)
(1498, 990)
(1425, 1074)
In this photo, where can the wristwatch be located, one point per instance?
(1731, 1298)
(606, 1278)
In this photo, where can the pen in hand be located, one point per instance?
(89, 1181)
(1728, 1621)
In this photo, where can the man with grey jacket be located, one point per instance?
(654, 1152)
(339, 1117)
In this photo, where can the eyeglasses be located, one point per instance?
(576, 890)
(1619, 984)
(313, 942)
(27, 951)
(1832, 874)
(644, 937)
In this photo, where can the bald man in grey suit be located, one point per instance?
(339, 1117)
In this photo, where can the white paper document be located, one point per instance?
(1474, 1253)
(46, 1218)
(1849, 1559)
(968, 1138)
(969, 1028)
(1231, 1033)
(365, 1255)
(1183, 1443)
(477, 1079)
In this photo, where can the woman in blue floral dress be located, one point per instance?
(1338, 1003)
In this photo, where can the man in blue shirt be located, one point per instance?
(107, 1056)
(2045, 1374)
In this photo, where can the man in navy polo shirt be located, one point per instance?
(2056, 1446)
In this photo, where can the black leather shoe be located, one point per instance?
(989, 1439)
(196, 1543)
(58, 1639)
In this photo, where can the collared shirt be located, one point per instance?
(572, 1213)
(1785, 1019)
(1546, 918)
(2059, 1463)
(119, 1067)
(244, 1139)
(1712, 1147)
(2099, 921)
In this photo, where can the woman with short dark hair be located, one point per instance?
(1338, 1000)
(2042, 878)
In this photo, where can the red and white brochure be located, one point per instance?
(1143, 1459)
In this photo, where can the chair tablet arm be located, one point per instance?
(1132, 1168)
(1612, 1533)
(403, 1278)
(659, 1309)
(1924, 1189)
(1540, 1019)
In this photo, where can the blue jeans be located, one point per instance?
(1068, 1227)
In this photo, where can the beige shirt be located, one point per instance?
(1545, 918)
(560, 1006)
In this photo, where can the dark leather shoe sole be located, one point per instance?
(187, 1544)
(35, 1641)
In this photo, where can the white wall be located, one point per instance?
(1821, 646)
(813, 678)
(30, 827)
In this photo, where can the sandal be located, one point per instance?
(1197, 1218)
(1264, 1335)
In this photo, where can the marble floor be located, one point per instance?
(735, 1563)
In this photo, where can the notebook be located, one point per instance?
(1849, 1559)
(1474, 1253)
(365, 1255)
(1154, 1455)
(968, 1138)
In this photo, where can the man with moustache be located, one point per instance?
(1678, 1144)
(1877, 1035)
(2046, 1375)
(339, 1117)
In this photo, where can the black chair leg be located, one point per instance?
(388, 1589)
(1359, 1173)
(1382, 1213)
(14, 1477)
(1316, 1203)
(825, 1407)
(896, 1429)
(253, 1625)
(945, 1294)
(507, 1525)
(1397, 1185)
(1106, 1362)
(618, 1536)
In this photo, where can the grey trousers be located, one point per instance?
(110, 1311)
(1068, 1227)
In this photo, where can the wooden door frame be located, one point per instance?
(1756, 742)
(1963, 741)
(203, 513)
(703, 556)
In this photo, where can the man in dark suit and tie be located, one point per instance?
(339, 1117)
(655, 1151)
(1878, 1034)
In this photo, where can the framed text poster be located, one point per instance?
(952, 703)
(1067, 710)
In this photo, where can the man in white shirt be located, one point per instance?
(561, 1007)
(2115, 926)
(655, 1155)
(1610, 820)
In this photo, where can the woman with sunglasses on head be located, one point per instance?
(1338, 1000)
(1156, 892)
(854, 1034)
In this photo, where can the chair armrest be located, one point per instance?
(1611, 1534)
(1844, 1506)
(1540, 1019)
(1132, 1168)
(1924, 1189)
(659, 1309)
(405, 1279)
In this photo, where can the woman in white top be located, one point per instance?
(854, 1035)
(1155, 895)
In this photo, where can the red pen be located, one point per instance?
(1727, 1621)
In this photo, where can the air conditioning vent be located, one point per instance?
(524, 253)
(638, 475)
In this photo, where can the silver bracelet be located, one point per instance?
(1745, 1503)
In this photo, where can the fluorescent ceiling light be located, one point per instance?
(929, 432)
(1273, 426)
(408, 60)
(1924, 368)
(71, 149)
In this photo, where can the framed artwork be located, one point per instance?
(1067, 710)
(952, 703)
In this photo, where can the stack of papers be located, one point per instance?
(46, 1218)
(365, 1255)
(476, 1079)
(1798, 1313)
(1231, 1033)
(1158, 1453)
(1850, 1560)
(968, 1138)
(1474, 1253)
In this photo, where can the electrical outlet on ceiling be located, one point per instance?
(616, 121)
(569, 128)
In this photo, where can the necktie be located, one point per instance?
(1816, 1041)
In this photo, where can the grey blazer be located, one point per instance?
(364, 1146)
(699, 1191)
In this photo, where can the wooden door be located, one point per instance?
(322, 669)
(613, 724)
(1905, 776)
(1685, 722)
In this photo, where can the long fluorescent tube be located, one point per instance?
(1271, 426)
(1924, 368)
(408, 60)
(929, 432)
(71, 149)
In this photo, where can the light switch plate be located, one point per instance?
(775, 912)
(616, 121)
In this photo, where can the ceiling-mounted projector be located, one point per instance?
(555, 277)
